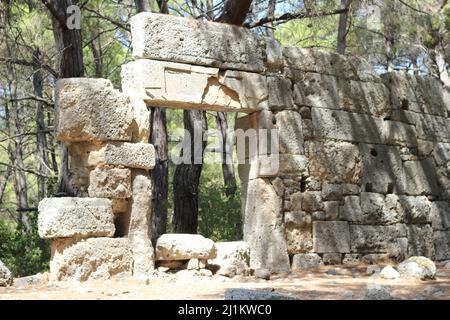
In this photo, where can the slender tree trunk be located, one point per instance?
(70, 48)
(159, 139)
(229, 177)
(41, 140)
(342, 29)
(235, 11)
(270, 14)
(187, 175)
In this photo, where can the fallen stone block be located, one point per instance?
(90, 259)
(110, 182)
(75, 217)
(91, 109)
(6, 278)
(131, 155)
(235, 255)
(184, 247)
(170, 38)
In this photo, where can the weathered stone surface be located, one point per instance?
(264, 228)
(274, 54)
(331, 237)
(297, 218)
(440, 215)
(417, 267)
(331, 210)
(332, 258)
(299, 238)
(414, 209)
(262, 273)
(399, 133)
(132, 155)
(6, 278)
(110, 182)
(184, 86)
(312, 201)
(140, 225)
(90, 109)
(75, 217)
(382, 239)
(420, 177)
(347, 126)
(334, 162)
(420, 241)
(382, 169)
(234, 255)
(442, 245)
(378, 209)
(389, 272)
(171, 38)
(184, 247)
(290, 132)
(280, 93)
(306, 261)
(292, 164)
(90, 259)
(318, 61)
(433, 128)
(441, 153)
(377, 292)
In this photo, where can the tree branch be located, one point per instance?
(292, 16)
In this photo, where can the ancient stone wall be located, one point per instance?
(364, 163)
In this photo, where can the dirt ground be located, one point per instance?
(328, 282)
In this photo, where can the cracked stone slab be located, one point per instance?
(177, 85)
(132, 155)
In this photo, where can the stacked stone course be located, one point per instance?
(364, 168)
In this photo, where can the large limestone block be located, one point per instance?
(290, 132)
(132, 155)
(347, 126)
(170, 38)
(331, 92)
(264, 227)
(335, 162)
(184, 247)
(110, 182)
(420, 177)
(382, 239)
(414, 209)
(331, 237)
(382, 169)
(90, 109)
(435, 128)
(139, 229)
(399, 133)
(441, 153)
(280, 93)
(184, 86)
(234, 255)
(299, 239)
(420, 241)
(442, 245)
(75, 217)
(318, 61)
(440, 215)
(90, 259)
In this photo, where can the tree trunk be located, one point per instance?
(235, 11)
(70, 48)
(143, 6)
(342, 29)
(160, 173)
(187, 175)
(41, 139)
(270, 14)
(229, 177)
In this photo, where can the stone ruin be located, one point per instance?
(364, 170)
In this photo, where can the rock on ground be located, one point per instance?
(377, 292)
(246, 294)
(417, 267)
(389, 272)
(232, 258)
(6, 278)
(184, 247)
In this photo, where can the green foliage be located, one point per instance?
(22, 251)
